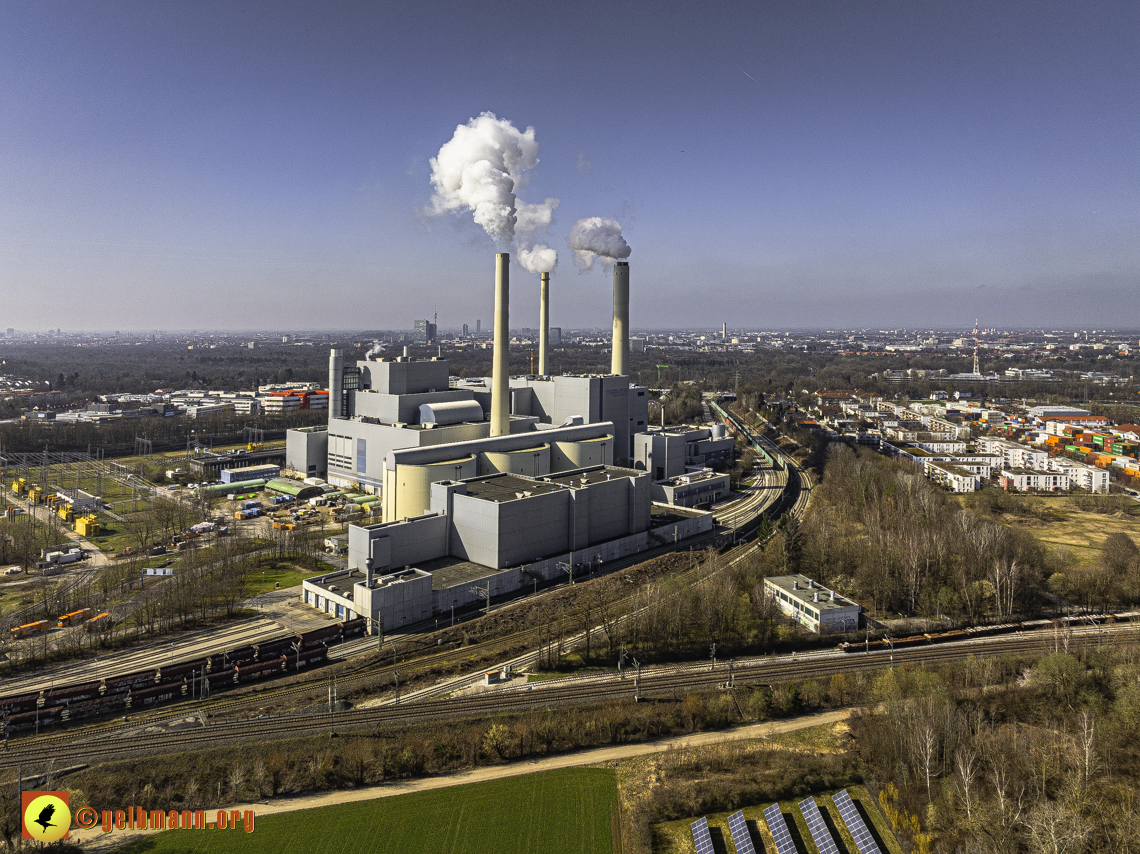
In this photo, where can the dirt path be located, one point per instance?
(594, 756)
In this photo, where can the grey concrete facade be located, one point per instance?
(307, 451)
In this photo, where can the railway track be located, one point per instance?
(671, 682)
(791, 497)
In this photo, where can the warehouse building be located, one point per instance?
(693, 489)
(264, 472)
(820, 610)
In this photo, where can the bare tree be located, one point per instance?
(966, 763)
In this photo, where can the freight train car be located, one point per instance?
(144, 697)
(275, 648)
(307, 658)
(226, 661)
(30, 720)
(353, 628)
(20, 703)
(177, 672)
(259, 670)
(129, 682)
(113, 704)
(316, 637)
(73, 694)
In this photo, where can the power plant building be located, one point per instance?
(492, 483)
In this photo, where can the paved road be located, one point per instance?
(96, 840)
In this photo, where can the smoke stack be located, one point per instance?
(544, 325)
(368, 572)
(336, 383)
(500, 365)
(724, 331)
(619, 359)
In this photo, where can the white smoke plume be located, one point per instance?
(532, 220)
(596, 236)
(479, 169)
(377, 348)
(539, 258)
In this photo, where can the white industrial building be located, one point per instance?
(819, 609)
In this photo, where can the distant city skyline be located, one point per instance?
(795, 165)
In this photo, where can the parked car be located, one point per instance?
(13, 570)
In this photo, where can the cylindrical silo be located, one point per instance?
(413, 496)
(579, 454)
(533, 462)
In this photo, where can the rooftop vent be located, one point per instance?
(795, 585)
(832, 595)
(817, 596)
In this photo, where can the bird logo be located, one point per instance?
(44, 820)
(47, 816)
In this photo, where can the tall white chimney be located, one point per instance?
(544, 326)
(620, 359)
(500, 366)
(336, 383)
(724, 331)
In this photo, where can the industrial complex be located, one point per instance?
(490, 485)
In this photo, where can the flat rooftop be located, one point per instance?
(510, 487)
(788, 584)
(695, 477)
(342, 581)
(450, 571)
(953, 469)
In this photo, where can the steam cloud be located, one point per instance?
(596, 236)
(479, 169)
(532, 220)
(539, 258)
(376, 350)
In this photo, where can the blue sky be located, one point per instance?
(265, 165)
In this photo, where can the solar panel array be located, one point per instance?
(779, 830)
(741, 838)
(859, 832)
(701, 836)
(817, 828)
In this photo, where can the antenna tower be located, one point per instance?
(977, 372)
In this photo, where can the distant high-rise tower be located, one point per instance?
(478, 326)
(464, 330)
(424, 332)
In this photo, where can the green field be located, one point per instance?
(552, 812)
